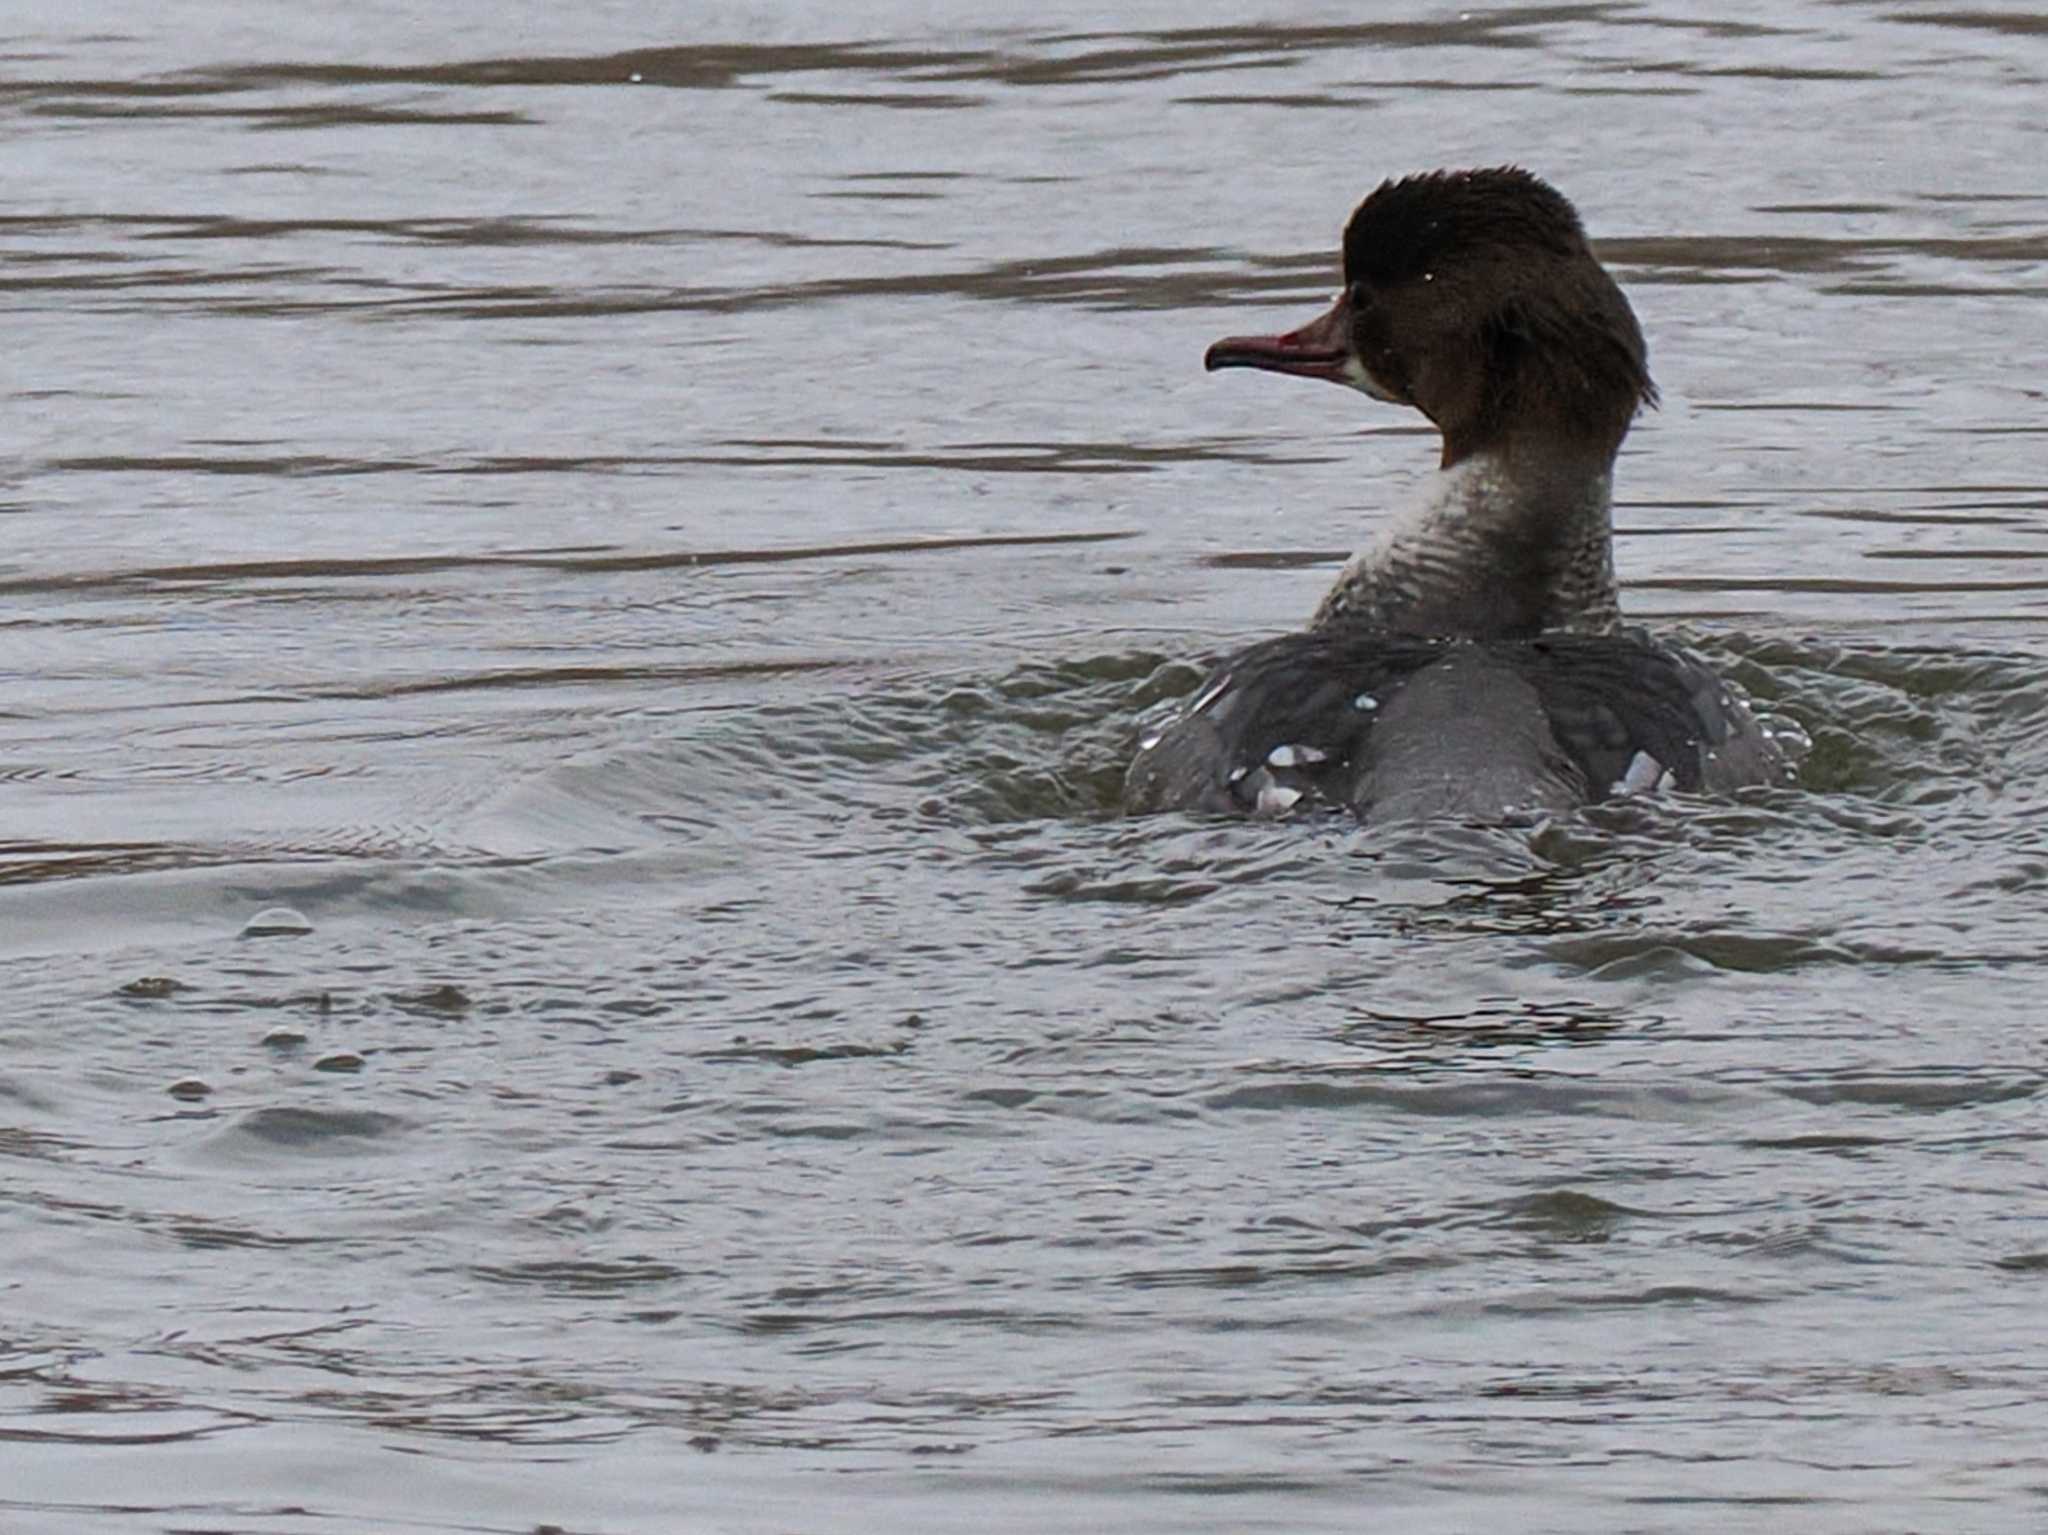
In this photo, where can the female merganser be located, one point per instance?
(1471, 661)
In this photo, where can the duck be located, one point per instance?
(1471, 661)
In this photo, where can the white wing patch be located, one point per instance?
(1276, 799)
(1645, 775)
(1296, 756)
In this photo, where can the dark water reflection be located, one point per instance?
(578, 592)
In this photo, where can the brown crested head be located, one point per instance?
(1473, 296)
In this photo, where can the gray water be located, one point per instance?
(649, 533)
